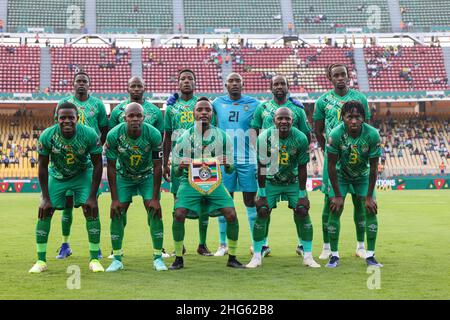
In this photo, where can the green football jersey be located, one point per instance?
(263, 117)
(134, 156)
(354, 153)
(328, 108)
(179, 117)
(152, 115)
(286, 155)
(91, 112)
(215, 144)
(68, 157)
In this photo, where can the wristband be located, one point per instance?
(302, 194)
(262, 192)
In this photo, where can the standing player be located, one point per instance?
(326, 117)
(197, 157)
(353, 151)
(179, 117)
(152, 116)
(137, 147)
(263, 119)
(234, 113)
(283, 153)
(91, 112)
(136, 90)
(72, 149)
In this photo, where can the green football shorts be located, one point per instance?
(174, 181)
(359, 188)
(127, 188)
(276, 193)
(79, 186)
(191, 199)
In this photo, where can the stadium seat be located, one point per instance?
(64, 16)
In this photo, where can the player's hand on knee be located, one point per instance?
(154, 208)
(262, 206)
(90, 208)
(371, 205)
(302, 208)
(45, 209)
(116, 209)
(336, 204)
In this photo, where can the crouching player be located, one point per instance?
(137, 147)
(353, 153)
(197, 157)
(282, 159)
(75, 155)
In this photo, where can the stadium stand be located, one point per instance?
(332, 16)
(304, 67)
(251, 16)
(19, 69)
(18, 138)
(161, 66)
(55, 16)
(406, 68)
(424, 16)
(109, 68)
(413, 143)
(136, 16)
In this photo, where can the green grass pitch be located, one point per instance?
(413, 244)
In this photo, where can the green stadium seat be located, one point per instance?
(251, 16)
(53, 16)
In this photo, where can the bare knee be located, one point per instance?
(229, 214)
(249, 199)
(180, 214)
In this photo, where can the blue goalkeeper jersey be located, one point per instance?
(234, 117)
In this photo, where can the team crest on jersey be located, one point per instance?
(147, 148)
(92, 113)
(364, 148)
(246, 107)
(204, 173)
(293, 151)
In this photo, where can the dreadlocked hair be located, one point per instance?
(349, 106)
(334, 65)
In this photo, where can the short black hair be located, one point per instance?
(66, 105)
(203, 99)
(335, 65)
(351, 105)
(279, 75)
(81, 73)
(186, 70)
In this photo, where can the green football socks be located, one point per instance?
(93, 229)
(156, 233)
(66, 224)
(42, 232)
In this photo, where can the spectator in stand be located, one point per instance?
(442, 167)
(6, 162)
(424, 159)
(32, 162)
(135, 8)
